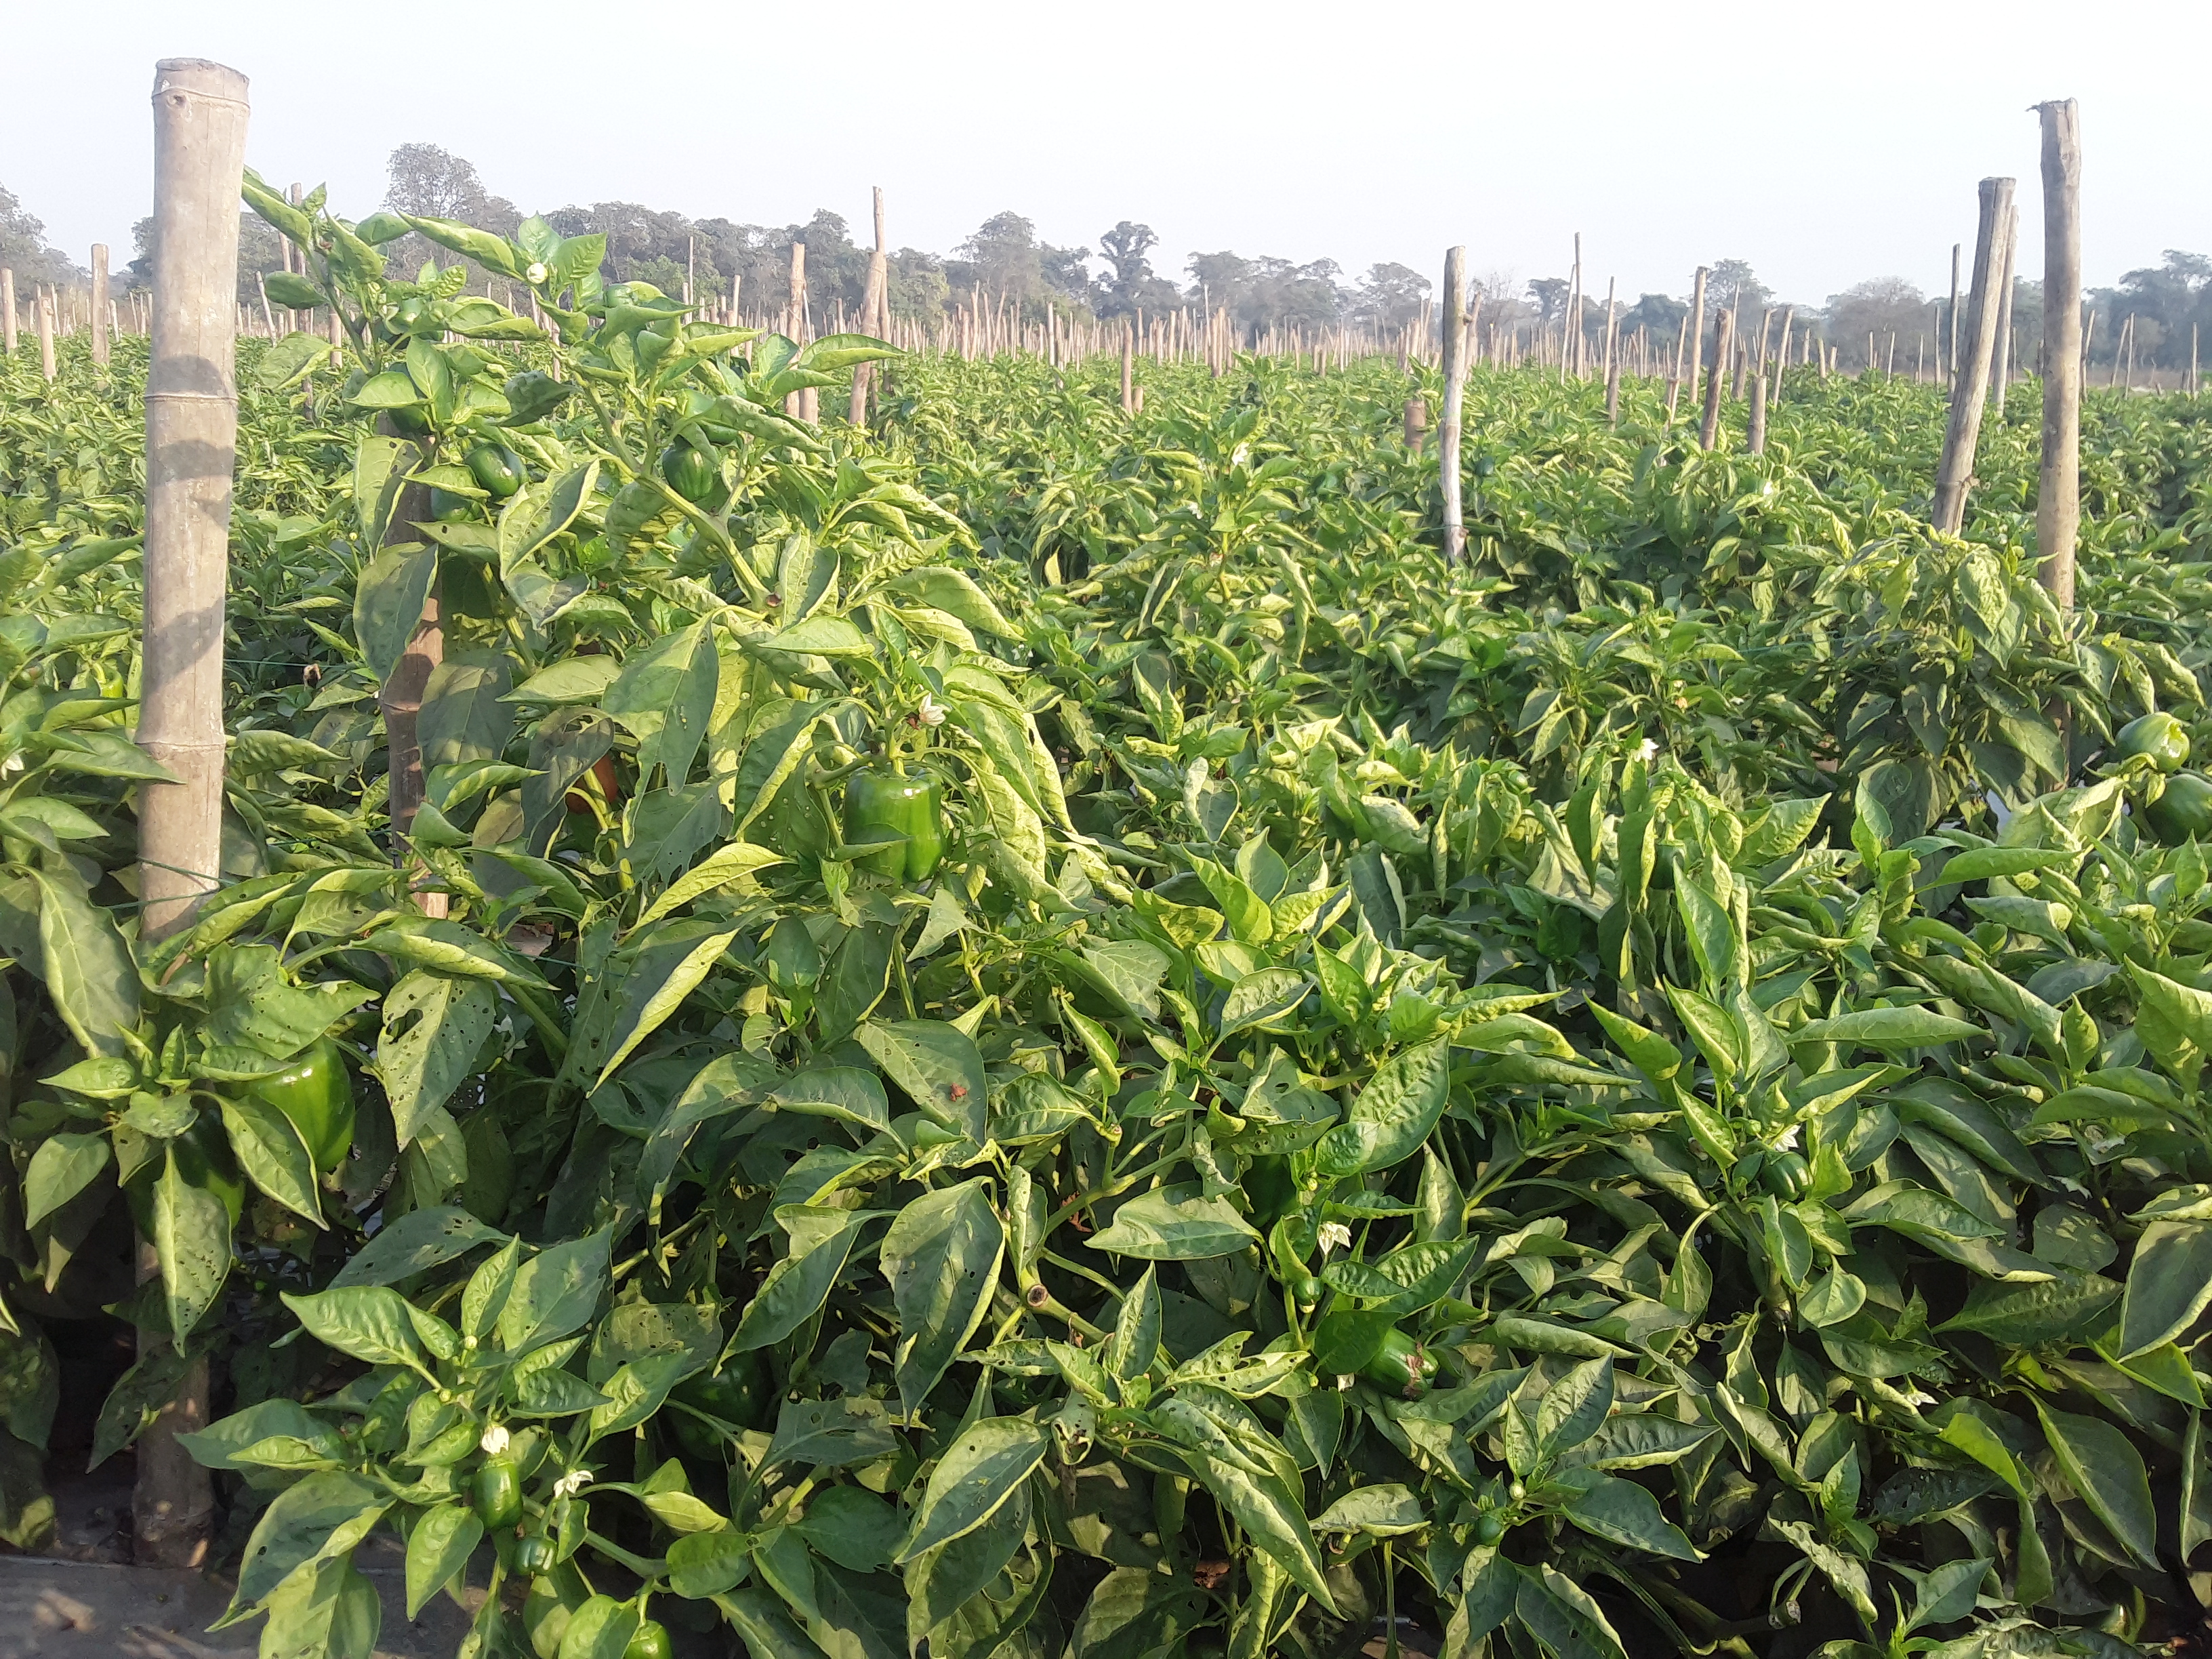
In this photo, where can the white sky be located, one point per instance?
(1824, 143)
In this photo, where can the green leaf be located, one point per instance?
(87, 966)
(1575, 1407)
(1393, 1115)
(1885, 1028)
(1136, 1340)
(2169, 1285)
(269, 1150)
(329, 1608)
(704, 1564)
(555, 1292)
(941, 1257)
(659, 978)
(370, 1322)
(980, 1471)
(830, 1433)
(601, 1629)
(191, 1239)
(63, 1166)
(1622, 1512)
(439, 1547)
(2031, 1315)
(2103, 1466)
(418, 1240)
(325, 1514)
(388, 605)
(797, 1286)
(939, 1067)
(1175, 1224)
(435, 1026)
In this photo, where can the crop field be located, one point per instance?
(1029, 1026)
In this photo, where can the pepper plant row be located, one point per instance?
(1048, 1036)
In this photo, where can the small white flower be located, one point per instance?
(1343, 1381)
(1787, 1140)
(536, 273)
(1647, 751)
(1334, 1236)
(930, 713)
(571, 1483)
(493, 1442)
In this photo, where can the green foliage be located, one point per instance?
(1641, 1095)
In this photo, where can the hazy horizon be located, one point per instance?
(1830, 155)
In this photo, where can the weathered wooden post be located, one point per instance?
(1611, 353)
(1696, 335)
(1953, 357)
(1417, 423)
(1128, 368)
(7, 310)
(1754, 436)
(1708, 429)
(2001, 362)
(1970, 394)
(99, 318)
(191, 444)
(1448, 441)
(2058, 496)
(805, 402)
(46, 309)
(875, 315)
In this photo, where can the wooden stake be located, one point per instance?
(7, 311)
(875, 316)
(2001, 364)
(1754, 440)
(1447, 446)
(192, 447)
(805, 404)
(1709, 430)
(1417, 423)
(1696, 335)
(1128, 368)
(100, 318)
(1611, 354)
(46, 309)
(1953, 359)
(2058, 498)
(1955, 473)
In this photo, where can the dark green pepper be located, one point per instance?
(651, 1642)
(691, 472)
(1787, 1177)
(906, 809)
(204, 1160)
(315, 1091)
(534, 1555)
(496, 1493)
(497, 469)
(2183, 811)
(1402, 1366)
(1489, 1527)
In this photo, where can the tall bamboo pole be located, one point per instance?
(46, 309)
(2058, 498)
(1955, 473)
(7, 311)
(875, 317)
(1755, 437)
(1952, 360)
(1447, 438)
(1708, 429)
(1611, 353)
(99, 318)
(1696, 335)
(2001, 362)
(1128, 368)
(192, 447)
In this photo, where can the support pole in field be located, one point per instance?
(46, 309)
(805, 402)
(1447, 439)
(1417, 424)
(1754, 436)
(8, 311)
(192, 448)
(2000, 360)
(1696, 335)
(1611, 353)
(1708, 429)
(1952, 356)
(1955, 473)
(1781, 357)
(2058, 496)
(1128, 369)
(99, 318)
(875, 315)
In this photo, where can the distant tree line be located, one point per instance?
(1005, 262)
